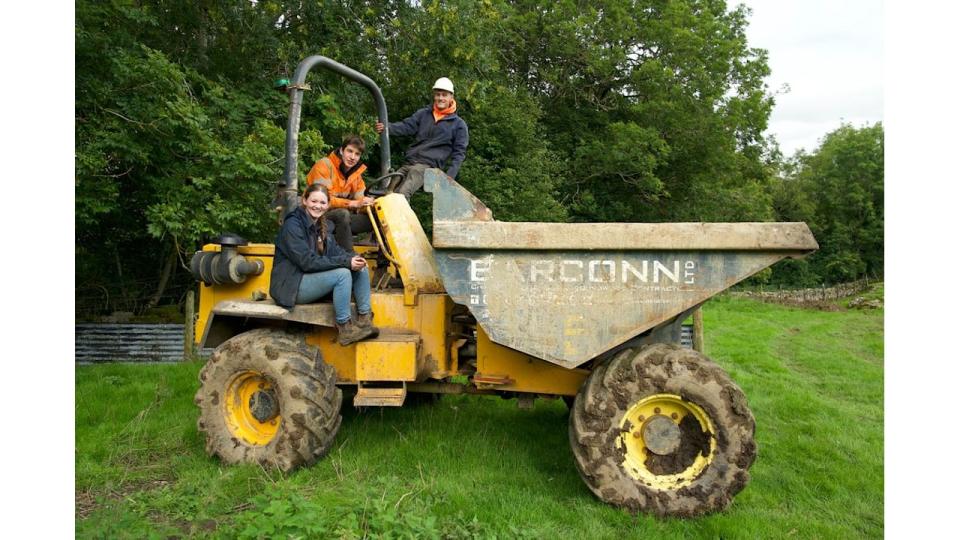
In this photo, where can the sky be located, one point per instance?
(830, 54)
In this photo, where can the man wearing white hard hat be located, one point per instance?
(440, 135)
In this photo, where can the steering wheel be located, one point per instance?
(383, 184)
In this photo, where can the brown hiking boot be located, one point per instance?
(365, 320)
(349, 333)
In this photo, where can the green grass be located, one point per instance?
(478, 467)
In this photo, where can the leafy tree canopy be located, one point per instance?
(610, 110)
(838, 191)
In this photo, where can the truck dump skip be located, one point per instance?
(567, 292)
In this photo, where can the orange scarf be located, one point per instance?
(438, 114)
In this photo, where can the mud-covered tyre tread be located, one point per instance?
(306, 387)
(634, 374)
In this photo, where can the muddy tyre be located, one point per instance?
(267, 397)
(662, 430)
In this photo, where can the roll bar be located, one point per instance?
(287, 189)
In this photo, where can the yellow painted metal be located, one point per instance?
(343, 359)
(376, 231)
(409, 245)
(522, 372)
(636, 452)
(237, 414)
(365, 250)
(428, 319)
(435, 335)
(380, 397)
(253, 288)
(387, 358)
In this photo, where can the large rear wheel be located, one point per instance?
(663, 430)
(267, 397)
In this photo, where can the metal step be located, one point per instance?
(380, 396)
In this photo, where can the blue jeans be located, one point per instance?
(341, 281)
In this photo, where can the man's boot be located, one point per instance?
(351, 333)
(365, 320)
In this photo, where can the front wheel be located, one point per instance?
(663, 430)
(267, 397)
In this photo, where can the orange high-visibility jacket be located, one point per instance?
(342, 190)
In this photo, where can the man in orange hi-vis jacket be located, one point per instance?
(342, 174)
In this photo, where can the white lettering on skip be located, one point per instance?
(597, 271)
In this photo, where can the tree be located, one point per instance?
(656, 108)
(838, 191)
(509, 164)
(615, 110)
(165, 156)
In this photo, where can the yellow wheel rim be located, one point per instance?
(667, 441)
(250, 395)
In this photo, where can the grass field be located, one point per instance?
(478, 467)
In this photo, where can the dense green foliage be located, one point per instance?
(612, 110)
(838, 191)
(479, 467)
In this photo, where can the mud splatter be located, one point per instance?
(694, 441)
(747, 455)
(739, 482)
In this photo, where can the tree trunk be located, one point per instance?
(125, 301)
(164, 277)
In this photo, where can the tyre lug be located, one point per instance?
(641, 418)
(674, 416)
(656, 410)
(636, 434)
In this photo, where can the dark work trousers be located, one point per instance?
(412, 179)
(348, 224)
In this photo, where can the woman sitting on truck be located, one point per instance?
(308, 264)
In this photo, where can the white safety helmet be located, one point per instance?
(444, 83)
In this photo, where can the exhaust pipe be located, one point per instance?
(225, 266)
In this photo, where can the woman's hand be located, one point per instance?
(357, 262)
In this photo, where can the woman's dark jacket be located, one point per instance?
(297, 254)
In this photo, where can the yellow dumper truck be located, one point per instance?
(590, 313)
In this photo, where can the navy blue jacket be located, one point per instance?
(435, 141)
(297, 254)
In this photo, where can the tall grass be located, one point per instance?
(478, 467)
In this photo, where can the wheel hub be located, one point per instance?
(263, 406)
(667, 441)
(661, 435)
(252, 408)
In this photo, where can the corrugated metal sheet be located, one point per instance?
(96, 343)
